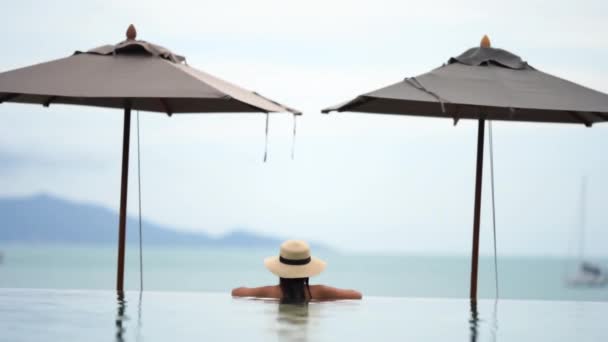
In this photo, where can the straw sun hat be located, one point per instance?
(294, 261)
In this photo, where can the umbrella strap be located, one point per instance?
(293, 142)
(413, 81)
(266, 143)
(493, 203)
(141, 264)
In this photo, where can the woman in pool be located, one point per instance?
(294, 266)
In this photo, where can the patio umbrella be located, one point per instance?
(131, 75)
(485, 83)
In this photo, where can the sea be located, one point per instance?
(189, 269)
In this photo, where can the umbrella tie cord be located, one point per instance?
(141, 264)
(266, 141)
(293, 143)
(413, 81)
(493, 204)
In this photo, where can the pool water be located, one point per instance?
(95, 315)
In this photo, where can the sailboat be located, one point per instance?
(588, 274)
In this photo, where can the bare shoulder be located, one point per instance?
(272, 291)
(324, 292)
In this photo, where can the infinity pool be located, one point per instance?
(70, 315)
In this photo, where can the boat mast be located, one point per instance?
(581, 251)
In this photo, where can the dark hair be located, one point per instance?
(294, 291)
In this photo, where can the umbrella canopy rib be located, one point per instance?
(581, 118)
(8, 97)
(49, 100)
(166, 107)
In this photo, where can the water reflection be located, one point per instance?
(474, 321)
(293, 322)
(121, 317)
(138, 336)
(494, 329)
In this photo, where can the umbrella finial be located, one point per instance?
(131, 32)
(485, 42)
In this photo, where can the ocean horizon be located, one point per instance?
(214, 269)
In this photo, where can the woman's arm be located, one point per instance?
(260, 292)
(332, 293)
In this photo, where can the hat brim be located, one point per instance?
(313, 268)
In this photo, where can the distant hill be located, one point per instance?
(48, 219)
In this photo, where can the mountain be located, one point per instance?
(48, 219)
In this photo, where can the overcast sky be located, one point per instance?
(359, 182)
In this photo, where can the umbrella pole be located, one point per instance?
(477, 210)
(122, 229)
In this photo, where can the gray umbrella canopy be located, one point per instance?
(133, 74)
(149, 77)
(489, 83)
(485, 83)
